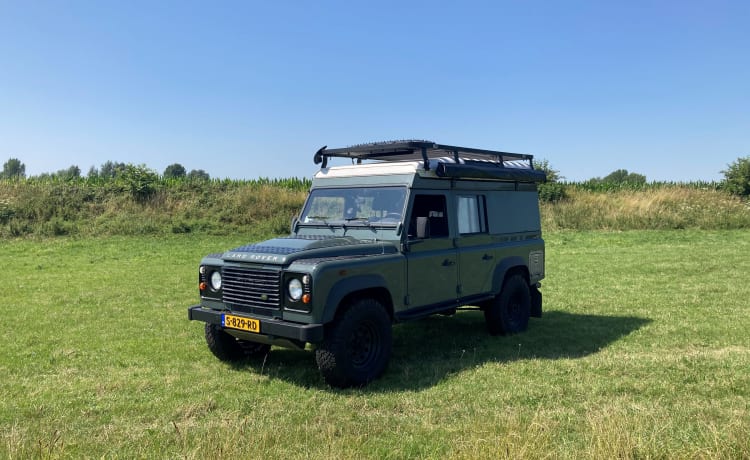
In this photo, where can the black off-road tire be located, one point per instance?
(509, 312)
(229, 348)
(357, 346)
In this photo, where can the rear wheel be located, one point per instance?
(357, 346)
(508, 313)
(229, 348)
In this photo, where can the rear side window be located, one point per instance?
(472, 214)
(434, 209)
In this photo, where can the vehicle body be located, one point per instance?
(409, 229)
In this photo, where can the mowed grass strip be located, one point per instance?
(643, 351)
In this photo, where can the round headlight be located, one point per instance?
(295, 289)
(216, 281)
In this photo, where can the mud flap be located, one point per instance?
(536, 301)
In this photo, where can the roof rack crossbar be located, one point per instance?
(450, 161)
(417, 150)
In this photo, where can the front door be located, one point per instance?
(433, 260)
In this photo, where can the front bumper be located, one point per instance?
(271, 328)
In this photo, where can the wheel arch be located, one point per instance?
(351, 289)
(509, 266)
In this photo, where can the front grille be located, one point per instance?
(251, 287)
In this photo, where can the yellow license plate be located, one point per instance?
(241, 323)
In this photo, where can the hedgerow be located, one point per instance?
(138, 203)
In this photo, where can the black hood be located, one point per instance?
(287, 249)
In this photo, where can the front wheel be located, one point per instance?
(509, 312)
(357, 346)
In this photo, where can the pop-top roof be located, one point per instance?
(447, 160)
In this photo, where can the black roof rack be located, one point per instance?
(468, 162)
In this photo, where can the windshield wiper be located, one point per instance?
(366, 220)
(323, 219)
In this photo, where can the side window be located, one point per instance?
(472, 214)
(432, 207)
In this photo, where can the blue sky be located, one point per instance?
(250, 89)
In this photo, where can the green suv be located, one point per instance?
(408, 229)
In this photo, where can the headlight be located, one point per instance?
(295, 289)
(216, 281)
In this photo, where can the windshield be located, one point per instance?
(369, 205)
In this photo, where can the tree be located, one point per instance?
(622, 175)
(14, 169)
(140, 180)
(174, 171)
(551, 190)
(74, 172)
(737, 177)
(111, 170)
(553, 175)
(635, 178)
(198, 174)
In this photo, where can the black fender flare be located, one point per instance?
(348, 286)
(504, 267)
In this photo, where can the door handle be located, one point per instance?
(487, 257)
(448, 263)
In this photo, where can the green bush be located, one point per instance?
(57, 227)
(140, 181)
(551, 192)
(6, 211)
(737, 177)
(552, 174)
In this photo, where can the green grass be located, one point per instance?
(643, 352)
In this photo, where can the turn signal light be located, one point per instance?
(306, 298)
(202, 286)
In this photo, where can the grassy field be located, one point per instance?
(643, 352)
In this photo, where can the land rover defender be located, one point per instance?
(408, 229)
